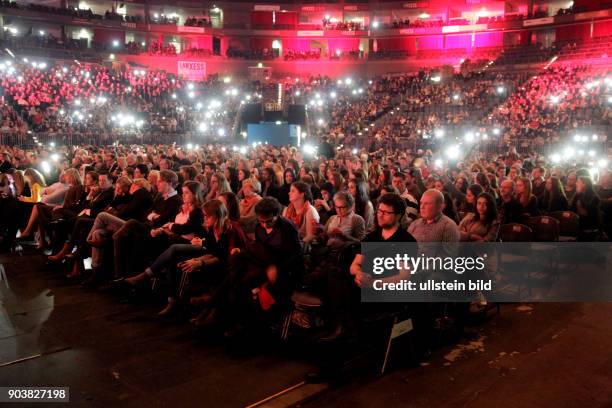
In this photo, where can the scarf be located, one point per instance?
(296, 217)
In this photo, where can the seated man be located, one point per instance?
(267, 269)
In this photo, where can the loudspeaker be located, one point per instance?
(252, 113)
(297, 115)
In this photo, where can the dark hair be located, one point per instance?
(144, 170)
(196, 189)
(491, 209)
(233, 207)
(290, 171)
(399, 175)
(476, 189)
(304, 189)
(271, 175)
(233, 178)
(190, 170)
(94, 175)
(361, 198)
(395, 201)
(556, 193)
(450, 210)
(218, 209)
(246, 172)
(268, 207)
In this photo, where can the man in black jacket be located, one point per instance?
(134, 237)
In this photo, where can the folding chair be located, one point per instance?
(569, 225)
(515, 233)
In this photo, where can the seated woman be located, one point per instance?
(301, 211)
(218, 185)
(554, 196)
(42, 214)
(325, 204)
(187, 223)
(208, 254)
(250, 190)
(528, 201)
(363, 205)
(481, 225)
(468, 205)
(586, 203)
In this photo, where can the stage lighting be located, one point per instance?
(199, 105)
(297, 93)
(556, 158)
(278, 122)
(77, 102)
(221, 132)
(243, 149)
(554, 99)
(64, 70)
(55, 157)
(191, 94)
(455, 97)
(469, 137)
(436, 78)
(354, 151)
(320, 122)
(602, 163)
(348, 81)
(594, 138)
(227, 80)
(569, 152)
(203, 127)
(500, 89)
(438, 133)
(189, 146)
(375, 24)
(332, 95)
(438, 163)
(496, 132)
(591, 153)
(115, 43)
(112, 56)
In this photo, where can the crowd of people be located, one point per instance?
(232, 234)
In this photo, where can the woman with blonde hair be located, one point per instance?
(42, 214)
(528, 201)
(251, 188)
(36, 181)
(218, 185)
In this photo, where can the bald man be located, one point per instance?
(433, 226)
(510, 210)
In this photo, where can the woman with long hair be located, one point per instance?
(528, 201)
(289, 178)
(42, 214)
(471, 195)
(218, 185)
(363, 205)
(481, 225)
(231, 175)
(554, 196)
(209, 254)
(248, 220)
(270, 187)
(586, 204)
(301, 211)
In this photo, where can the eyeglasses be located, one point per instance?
(383, 212)
(341, 207)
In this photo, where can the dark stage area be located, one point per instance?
(113, 353)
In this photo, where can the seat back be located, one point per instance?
(545, 228)
(515, 233)
(569, 223)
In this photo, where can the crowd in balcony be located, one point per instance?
(197, 22)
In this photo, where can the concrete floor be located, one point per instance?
(536, 355)
(117, 354)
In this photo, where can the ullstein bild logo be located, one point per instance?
(502, 272)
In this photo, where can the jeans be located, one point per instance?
(104, 226)
(165, 264)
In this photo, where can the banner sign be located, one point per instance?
(187, 29)
(538, 21)
(192, 70)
